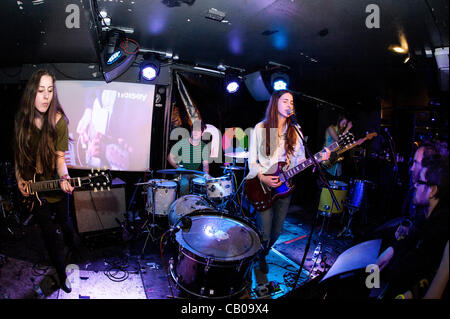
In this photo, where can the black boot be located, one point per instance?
(262, 258)
(64, 284)
(263, 264)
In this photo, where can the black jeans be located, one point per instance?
(53, 219)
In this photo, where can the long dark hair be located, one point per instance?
(271, 121)
(24, 124)
(338, 123)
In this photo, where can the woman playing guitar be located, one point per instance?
(274, 140)
(41, 135)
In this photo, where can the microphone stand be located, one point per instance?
(327, 185)
(311, 98)
(395, 168)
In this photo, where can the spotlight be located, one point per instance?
(232, 83)
(232, 87)
(150, 67)
(117, 55)
(279, 81)
(279, 84)
(149, 72)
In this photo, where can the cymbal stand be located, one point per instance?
(240, 189)
(347, 232)
(153, 226)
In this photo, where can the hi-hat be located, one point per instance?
(179, 171)
(237, 154)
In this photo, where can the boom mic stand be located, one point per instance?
(324, 181)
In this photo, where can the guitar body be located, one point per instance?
(262, 196)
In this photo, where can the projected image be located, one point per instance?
(109, 124)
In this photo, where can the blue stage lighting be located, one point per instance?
(149, 72)
(232, 87)
(279, 84)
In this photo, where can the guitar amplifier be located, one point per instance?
(98, 211)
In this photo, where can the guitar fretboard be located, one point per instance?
(305, 164)
(52, 185)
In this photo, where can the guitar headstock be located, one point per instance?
(100, 180)
(346, 139)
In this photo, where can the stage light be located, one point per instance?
(279, 85)
(117, 55)
(150, 67)
(279, 81)
(232, 87)
(149, 72)
(232, 83)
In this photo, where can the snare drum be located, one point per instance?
(186, 205)
(215, 256)
(219, 188)
(198, 186)
(165, 193)
(326, 203)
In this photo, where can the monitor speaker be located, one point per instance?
(98, 211)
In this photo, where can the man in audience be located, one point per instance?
(418, 256)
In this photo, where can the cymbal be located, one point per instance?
(237, 154)
(233, 168)
(179, 171)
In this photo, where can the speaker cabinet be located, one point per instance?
(97, 211)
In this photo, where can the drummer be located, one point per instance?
(192, 154)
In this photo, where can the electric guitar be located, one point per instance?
(98, 181)
(261, 196)
(329, 163)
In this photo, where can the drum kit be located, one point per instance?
(216, 253)
(352, 195)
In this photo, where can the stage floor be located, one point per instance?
(114, 270)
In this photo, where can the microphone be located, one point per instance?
(292, 116)
(185, 225)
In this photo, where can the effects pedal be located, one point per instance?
(267, 289)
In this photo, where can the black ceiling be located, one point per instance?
(296, 33)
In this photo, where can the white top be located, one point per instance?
(258, 161)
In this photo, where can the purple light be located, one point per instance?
(149, 72)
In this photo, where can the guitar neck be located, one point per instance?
(52, 185)
(308, 162)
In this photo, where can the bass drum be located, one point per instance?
(326, 204)
(215, 256)
(186, 205)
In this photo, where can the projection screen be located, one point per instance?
(110, 124)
